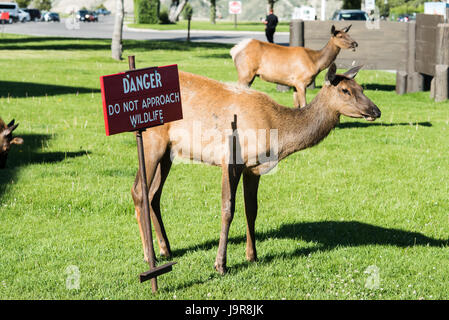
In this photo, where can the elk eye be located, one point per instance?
(346, 91)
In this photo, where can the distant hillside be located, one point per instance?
(253, 10)
(64, 5)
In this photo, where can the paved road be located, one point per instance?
(103, 29)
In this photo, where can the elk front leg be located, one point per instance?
(299, 96)
(250, 187)
(154, 160)
(142, 218)
(230, 180)
(155, 194)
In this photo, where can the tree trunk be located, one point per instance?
(116, 46)
(188, 30)
(175, 10)
(213, 11)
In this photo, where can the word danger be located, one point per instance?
(142, 82)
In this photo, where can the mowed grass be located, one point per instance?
(363, 215)
(218, 26)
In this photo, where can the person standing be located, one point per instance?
(271, 22)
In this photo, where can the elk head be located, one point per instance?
(6, 140)
(346, 95)
(342, 39)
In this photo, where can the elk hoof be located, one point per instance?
(220, 268)
(251, 258)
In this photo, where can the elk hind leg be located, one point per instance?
(230, 180)
(250, 188)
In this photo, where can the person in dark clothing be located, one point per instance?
(270, 26)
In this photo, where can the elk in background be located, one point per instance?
(292, 66)
(6, 140)
(229, 111)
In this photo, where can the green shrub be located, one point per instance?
(146, 11)
(187, 12)
(163, 16)
(406, 9)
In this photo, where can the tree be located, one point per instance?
(42, 4)
(23, 3)
(176, 9)
(271, 3)
(352, 4)
(116, 45)
(213, 11)
(187, 14)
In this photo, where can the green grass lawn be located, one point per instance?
(218, 26)
(368, 203)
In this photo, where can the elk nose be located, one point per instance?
(355, 44)
(376, 111)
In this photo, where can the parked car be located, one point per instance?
(24, 16)
(102, 12)
(91, 17)
(35, 14)
(81, 15)
(51, 16)
(12, 8)
(43, 13)
(406, 17)
(350, 15)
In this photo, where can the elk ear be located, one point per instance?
(347, 28)
(17, 140)
(8, 130)
(333, 30)
(353, 72)
(330, 75)
(11, 123)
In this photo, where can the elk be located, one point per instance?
(6, 140)
(230, 111)
(296, 67)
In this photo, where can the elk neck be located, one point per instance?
(301, 128)
(326, 56)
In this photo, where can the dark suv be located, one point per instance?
(35, 14)
(350, 15)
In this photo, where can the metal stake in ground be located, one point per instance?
(153, 272)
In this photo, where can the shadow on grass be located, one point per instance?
(30, 153)
(31, 89)
(379, 87)
(348, 125)
(329, 235)
(61, 43)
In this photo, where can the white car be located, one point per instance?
(24, 16)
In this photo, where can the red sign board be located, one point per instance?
(142, 98)
(4, 15)
(235, 7)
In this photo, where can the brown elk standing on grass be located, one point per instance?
(292, 66)
(228, 111)
(6, 140)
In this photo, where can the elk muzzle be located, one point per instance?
(372, 113)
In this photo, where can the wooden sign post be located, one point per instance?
(133, 101)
